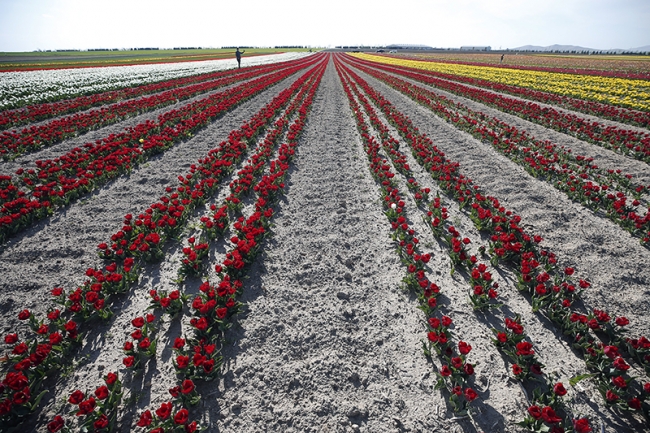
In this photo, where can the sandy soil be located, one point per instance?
(328, 341)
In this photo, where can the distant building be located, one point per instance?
(475, 48)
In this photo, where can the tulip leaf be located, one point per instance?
(574, 380)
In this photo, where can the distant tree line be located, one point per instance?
(116, 49)
(356, 47)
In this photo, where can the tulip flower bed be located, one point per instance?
(63, 180)
(148, 236)
(16, 143)
(303, 253)
(614, 380)
(201, 361)
(581, 180)
(629, 142)
(605, 66)
(606, 111)
(455, 372)
(525, 366)
(38, 112)
(20, 89)
(620, 92)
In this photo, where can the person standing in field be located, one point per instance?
(238, 56)
(501, 61)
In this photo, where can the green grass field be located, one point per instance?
(78, 59)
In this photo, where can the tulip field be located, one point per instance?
(326, 242)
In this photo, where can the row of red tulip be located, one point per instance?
(457, 370)
(595, 188)
(215, 306)
(205, 361)
(551, 290)
(490, 128)
(63, 180)
(455, 374)
(483, 289)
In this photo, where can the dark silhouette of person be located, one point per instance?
(501, 61)
(238, 56)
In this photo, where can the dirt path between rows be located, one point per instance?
(330, 343)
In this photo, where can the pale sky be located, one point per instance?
(28, 25)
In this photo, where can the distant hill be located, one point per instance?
(576, 48)
(645, 48)
(553, 48)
